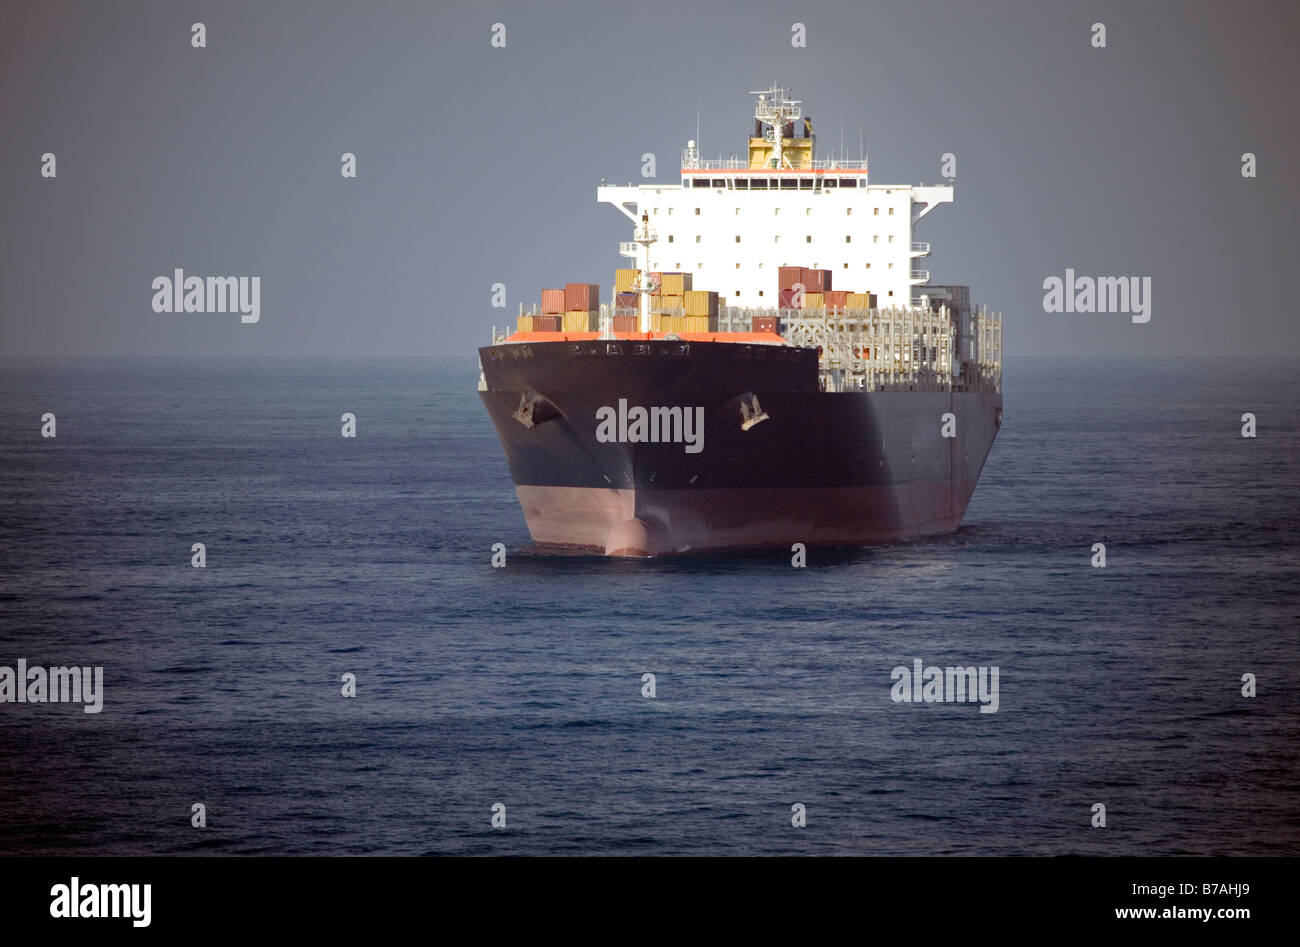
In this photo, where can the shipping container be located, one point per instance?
(767, 324)
(668, 302)
(817, 281)
(547, 323)
(787, 276)
(837, 299)
(626, 324)
(525, 324)
(625, 280)
(584, 296)
(581, 320)
(814, 301)
(858, 301)
(627, 300)
(700, 323)
(676, 284)
(699, 302)
(667, 323)
(553, 302)
(787, 298)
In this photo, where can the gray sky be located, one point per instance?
(479, 165)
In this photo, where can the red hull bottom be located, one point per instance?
(658, 522)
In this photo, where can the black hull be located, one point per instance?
(820, 468)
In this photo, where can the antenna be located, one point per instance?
(775, 112)
(697, 120)
(841, 134)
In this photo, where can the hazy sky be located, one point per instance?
(479, 165)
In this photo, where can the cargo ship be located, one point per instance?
(774, 407)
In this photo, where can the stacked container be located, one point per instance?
(666, 323)
(767, 324)
(700, 302)
(858, 301)
(626, 324)
(581, 307)
(676, 284)
(584, 296)
(816, 281)
(701, 310)
(553, 302)
(837, 299)
(787, 276)
(625, 280)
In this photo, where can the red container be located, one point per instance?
(552, 302)
(625, 324)
(581, 296)
(838, 299)
(767, 324)
(817, 281)
(787, 276)
(547, 323)
(786, 300)
(627, 300)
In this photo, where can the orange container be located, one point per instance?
(552, 302)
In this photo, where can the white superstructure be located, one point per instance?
(733, 222)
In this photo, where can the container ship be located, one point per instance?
(732, 391)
